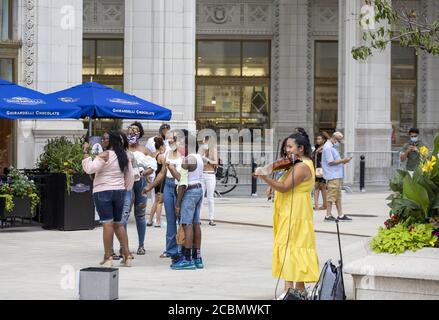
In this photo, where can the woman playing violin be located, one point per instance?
(294, 253)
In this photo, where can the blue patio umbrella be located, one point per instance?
(99, 101)
(17, 102)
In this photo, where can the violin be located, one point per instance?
(285, 163)
(280, 164)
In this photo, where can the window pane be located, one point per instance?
(88, 57)
(255, 107)
(110, 57)
(218, 106)
(403, 111)
(7, 69)
(4, 20)
(326, 101)
(326, 87)
(219, 58)
(256, 57)
(326, 60)
(403, 62)
(404, 87)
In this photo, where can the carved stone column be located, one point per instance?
(428, 79)
(160, 57)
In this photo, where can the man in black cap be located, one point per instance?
(163, 130)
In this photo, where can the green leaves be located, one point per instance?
(436, 145)
(400, 238)
(398, 24)
(62, 155)
(396, 184)
(417, 193)
(19, 185)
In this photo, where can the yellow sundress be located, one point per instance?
(301, 261)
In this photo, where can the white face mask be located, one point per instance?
(205, 147)
(173, 146)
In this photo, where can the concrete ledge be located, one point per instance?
(411, 275)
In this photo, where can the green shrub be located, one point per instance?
(401, 238)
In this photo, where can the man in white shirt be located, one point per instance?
(163, 130)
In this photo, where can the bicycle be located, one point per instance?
(226, 179)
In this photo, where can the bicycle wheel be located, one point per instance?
(228, 182)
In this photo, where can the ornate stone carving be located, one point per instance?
(309, 64)
(219, 14)
(29, 43)
(104, 16)
(112, 12)
(325, 17)
(235, 17)
(422, 78)
(258, 13)
(275, 61)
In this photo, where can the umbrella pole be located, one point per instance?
(90, 127)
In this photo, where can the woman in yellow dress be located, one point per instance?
(294, 252)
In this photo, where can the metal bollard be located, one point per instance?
(362, 172)
(254, 180)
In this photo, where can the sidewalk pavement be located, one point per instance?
(35, 263)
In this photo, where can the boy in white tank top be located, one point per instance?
(188, 208)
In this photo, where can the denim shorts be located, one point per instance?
(109, 205)
(191, 206)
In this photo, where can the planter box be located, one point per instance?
(408, 276)
(63, 211)
(22, 208)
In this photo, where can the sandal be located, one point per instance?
(121, 255)
(211, 223)
(165, 255)
(115, 256)
(128, 262)
(149, 224)
(141, 251)
(107, 263)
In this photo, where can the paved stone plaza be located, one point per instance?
(237, 254)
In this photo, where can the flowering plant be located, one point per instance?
(62, 156)
(416, 196)
(19, 185)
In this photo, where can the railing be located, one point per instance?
(241, 161)
(380, 167)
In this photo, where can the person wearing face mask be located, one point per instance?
(146, 166)
(410, 151)
(163, 133)
(209, 154)
(332, 165)
(172, 159)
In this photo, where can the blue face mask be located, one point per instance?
(414, 139)
(337, 145)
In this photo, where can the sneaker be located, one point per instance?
(344, 218)
(183, 264)
(199, 263)
(330, 218)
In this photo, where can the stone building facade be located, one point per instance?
(261, 64)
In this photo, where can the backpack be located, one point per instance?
(330, 285)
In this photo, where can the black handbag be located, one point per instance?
(330, 285)
(294, 294)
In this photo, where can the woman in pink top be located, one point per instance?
(113, 176)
